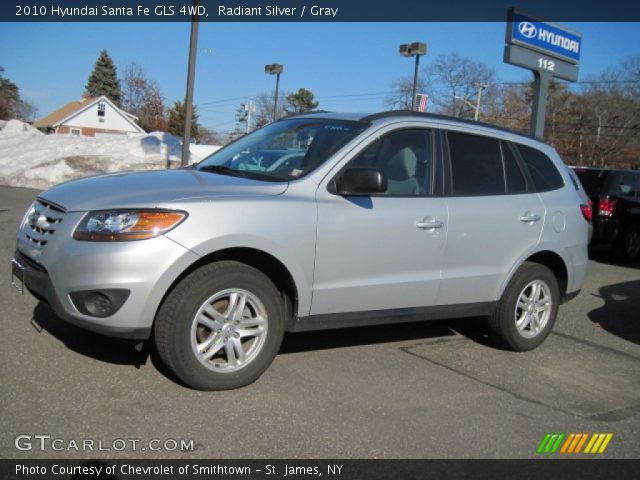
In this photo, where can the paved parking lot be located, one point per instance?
(428, 390)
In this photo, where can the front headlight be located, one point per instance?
(123, 225)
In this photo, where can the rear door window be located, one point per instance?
(516, 182)
(476, 165)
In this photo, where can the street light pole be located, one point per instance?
(275, 69)
(415, 49)
(275, 100)
(415, 84)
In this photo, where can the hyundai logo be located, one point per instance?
(33, 218)
(37, 220)
(527, 29)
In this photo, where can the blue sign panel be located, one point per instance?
(548, 38)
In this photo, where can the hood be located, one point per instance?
(152, 188)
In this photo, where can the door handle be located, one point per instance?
(429, 224)
(529, 217)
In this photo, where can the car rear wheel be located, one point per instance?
(527, 310)
(220, 327)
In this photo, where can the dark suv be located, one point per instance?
(616, 208)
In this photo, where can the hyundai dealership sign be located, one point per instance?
(548, 38)
(547, 49)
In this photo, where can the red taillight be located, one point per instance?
(606, 206)
(587, 211)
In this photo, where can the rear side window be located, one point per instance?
(544, 173)
(476, 165)
(626, 186)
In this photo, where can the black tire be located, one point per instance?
(177, 332)
(627, 245)
(503, 324)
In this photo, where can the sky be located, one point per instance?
(348, 66)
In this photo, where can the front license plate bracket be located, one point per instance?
(17, 275)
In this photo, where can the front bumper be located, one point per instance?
(36, 280)
(146, 269)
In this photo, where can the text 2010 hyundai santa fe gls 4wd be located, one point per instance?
(317, 221)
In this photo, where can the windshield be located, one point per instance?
(283, 150)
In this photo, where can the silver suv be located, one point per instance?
(314, 222)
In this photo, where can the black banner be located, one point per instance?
(312, 10)
(326, 469)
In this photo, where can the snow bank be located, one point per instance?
(18, 128)
(29, 158)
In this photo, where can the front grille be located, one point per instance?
(42, 221)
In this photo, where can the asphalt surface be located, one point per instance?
(430, 390)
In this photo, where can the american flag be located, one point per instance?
(422, 99)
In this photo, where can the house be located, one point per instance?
(89, 116)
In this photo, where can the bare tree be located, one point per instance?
(454, 80)
(26, 111)
(141, 97)
(262, 113)
(401, 99)
(209, 136)
(507, 106)
(134, 86)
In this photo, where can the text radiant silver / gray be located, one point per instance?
(316, 221)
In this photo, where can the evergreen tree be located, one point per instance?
(177, 119)
(301, 101)
(104, 79)
(11, 105)
(9, 97)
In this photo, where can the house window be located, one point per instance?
(101, 109)
(76, 131)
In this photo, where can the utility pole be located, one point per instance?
(249, 108)
(188, 101)
(476, 107)
(481, 86)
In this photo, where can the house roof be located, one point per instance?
(64, 112)
(71, 109)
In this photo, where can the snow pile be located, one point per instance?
(29, 158)
(16, 127)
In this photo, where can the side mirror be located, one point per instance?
(361, 181)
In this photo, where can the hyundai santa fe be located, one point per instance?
(317, 221)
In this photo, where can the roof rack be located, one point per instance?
(436, 116)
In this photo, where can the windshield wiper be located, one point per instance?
(222, 170)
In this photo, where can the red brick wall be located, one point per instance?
(86, 131)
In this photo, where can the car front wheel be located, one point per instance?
(220, 327)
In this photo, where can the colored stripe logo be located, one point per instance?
(573, 443)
